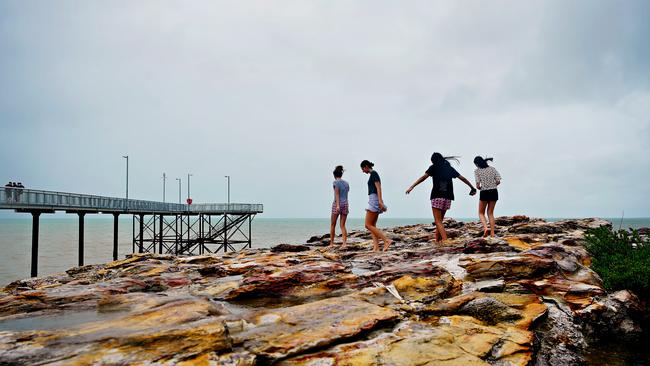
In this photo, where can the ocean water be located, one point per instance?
(58, 239)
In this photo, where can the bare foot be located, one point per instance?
(486, 231)
(387, 244)
(375, 245)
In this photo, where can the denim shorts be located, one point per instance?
(373, 203)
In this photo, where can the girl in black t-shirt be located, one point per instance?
(442, 193)
(375, 206)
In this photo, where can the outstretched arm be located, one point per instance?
(420, 180)
(473, 191)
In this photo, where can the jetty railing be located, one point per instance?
(161, 227)
(21, 198)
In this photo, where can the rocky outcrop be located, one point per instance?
(526, 298)
(613, 315)
(559, 340)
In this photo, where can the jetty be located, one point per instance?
(158, 227)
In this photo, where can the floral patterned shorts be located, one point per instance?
(441, 203)
(343, 208)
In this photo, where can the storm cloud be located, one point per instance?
(276, 93)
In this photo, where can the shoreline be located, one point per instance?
(59, 237)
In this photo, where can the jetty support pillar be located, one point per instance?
(36, 214)
(81, 238)
(160, 234)
(115, 225)
(35, 227)
(225, 232)
(141, 243)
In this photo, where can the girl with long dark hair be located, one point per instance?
(339, 206)
(442, 193)
(487, 180)
(375, 206)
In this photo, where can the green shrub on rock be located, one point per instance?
(621, 258)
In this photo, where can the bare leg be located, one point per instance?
(378, 233)
(444, 212)
(375, 242)
(344, 231)
(372, 226)
(333, 229)
(439, 215)
(369, 226)
(433, 211)
(490, 210)
(387, 242)
(482, 205)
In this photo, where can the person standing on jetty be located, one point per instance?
(487, 180)
(442, 193)
(340, 206)
(375, 206)
(18, 191)
(9, 192)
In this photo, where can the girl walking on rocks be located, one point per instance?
(487, 180)
(442, 193)
(375, 206)
(340, 206)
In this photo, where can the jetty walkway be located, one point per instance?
(158, 227)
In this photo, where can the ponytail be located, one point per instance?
(367, 164)
(482, 162)
(437, 159)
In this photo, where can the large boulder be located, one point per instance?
(559, 340)
(618, 314)
(490, 310)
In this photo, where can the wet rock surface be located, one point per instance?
(527, 297)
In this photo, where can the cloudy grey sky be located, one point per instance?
(276, 93)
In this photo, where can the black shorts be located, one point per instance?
(489, 195)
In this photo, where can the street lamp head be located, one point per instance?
(125, 156)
